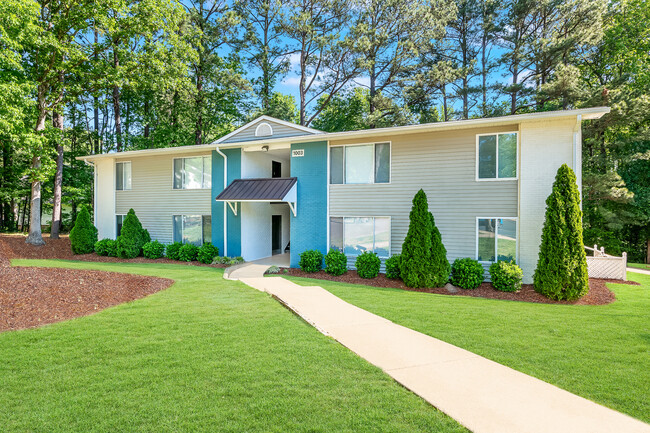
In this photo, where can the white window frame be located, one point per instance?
(390, 238)
(183, 226)
(183, 174)
(123, 180)
(116, 215)
(496, 237)
(374, 144)
(497, 178)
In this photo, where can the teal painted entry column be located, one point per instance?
(234, 222)
(309, 226)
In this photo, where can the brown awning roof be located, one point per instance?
(268, 189)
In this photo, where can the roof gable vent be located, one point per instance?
(263, 130)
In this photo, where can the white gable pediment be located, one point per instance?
(266, 127)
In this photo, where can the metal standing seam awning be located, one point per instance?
(279, 189)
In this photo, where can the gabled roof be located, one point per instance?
(266, 189)
(245, 132)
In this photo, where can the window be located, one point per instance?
(364, 163)
(496, 239)
(496, 156)
(193, 173)
(122, 176)
(354, 235)
(193, 229)
(119, 220)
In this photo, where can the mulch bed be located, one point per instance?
(31, 297)
(598, 293)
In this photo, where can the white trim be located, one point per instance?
(233, 206)
(390, 234)
(497, 178)
(496, 237)
(183, 173)
(266, 118)
(115, 172)
(225, 211)
(257, 130)
(374, 157)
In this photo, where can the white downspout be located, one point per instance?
(94, 190)
(577, 154)
(225, 208)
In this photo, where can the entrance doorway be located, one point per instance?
(276, 234)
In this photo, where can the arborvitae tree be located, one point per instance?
(441, 266)
(132, 238)
(561, 272)
(417, 267)
(84, 234)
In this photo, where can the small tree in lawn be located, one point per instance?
(132, 237)
(417, 267)
(561, 272)
(440, 264)
(84, 234)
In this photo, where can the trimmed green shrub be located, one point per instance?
(561, 272)
(188, 253)
(207, 253)
(336, 263)
(146, 237)
(392, 267)
(84, 234)
(220, 260)
(153, 250)
(467, 273)
(367, 264)
(273, 270)
(440, 264)
(236, 260)
(106, 247)
(416, 267)
(311, 261)
(506, 276)
(132, 238)
(173, 250)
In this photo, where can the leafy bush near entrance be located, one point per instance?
(367, 264)
(188, 253)
(207, 253)
(132, 238)
(173, 250)
(506, 276)
(336, 263)
(153, 250)
(392, 267)
(84, 234)
(311, 261)
(106, 247)
(467, 273)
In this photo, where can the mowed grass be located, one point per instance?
(639, 266)
(204, 355)
(598, 352)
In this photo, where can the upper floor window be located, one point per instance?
(496, 156)
(363, 163)
(193, 173)
(496, 239)
(122, 175)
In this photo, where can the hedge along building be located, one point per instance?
(272, 187)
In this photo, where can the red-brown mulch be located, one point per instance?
(31, 296)
(598, 293)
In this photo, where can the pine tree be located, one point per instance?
(417, 267)
(440, 264)
(561, 272)
(84, 234)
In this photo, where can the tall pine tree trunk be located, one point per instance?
(57, 122)
(116, 103)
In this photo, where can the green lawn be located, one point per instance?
(599, 352)
(639, 265)
(204, 355)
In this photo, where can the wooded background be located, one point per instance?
(82, 77)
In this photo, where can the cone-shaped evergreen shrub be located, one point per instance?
(416, 266)
(132, 238)
(441, 266)
(561, 272)
(84, 234)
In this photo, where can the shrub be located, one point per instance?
(467, 273)
(311, 261)
(132, 238)
(439, 262)
(336, 263)
(506, 276)
(188, 253)
(153, 250)
(416, 267)
(84, 234)
(367, 265)
(207, 253)
(236, 260)
(106, 247)
(173, 250)
(561, 272)
(219, 260)
(273, 270)
(392, 267)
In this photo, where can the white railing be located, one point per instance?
(602, 265)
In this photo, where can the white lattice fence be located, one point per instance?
(602, 265)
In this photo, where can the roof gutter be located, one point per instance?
(225, 209)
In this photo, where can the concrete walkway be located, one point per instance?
(638, 271)
(482, 395)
